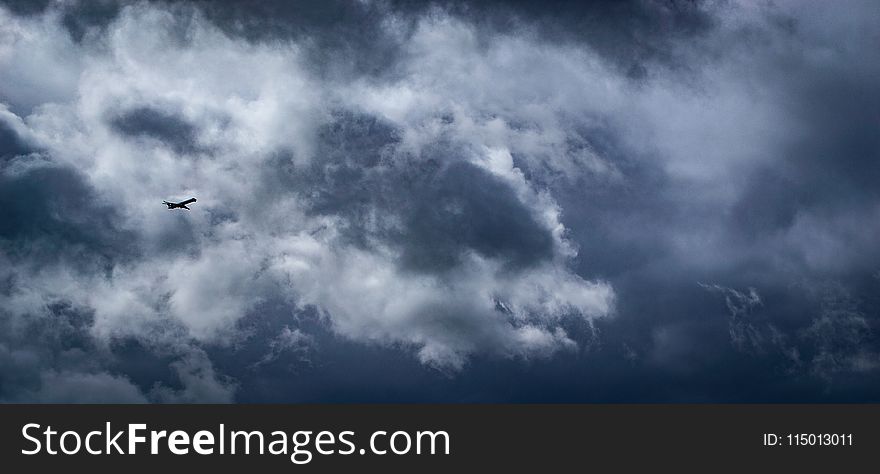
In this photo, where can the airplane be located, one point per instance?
(179, 205)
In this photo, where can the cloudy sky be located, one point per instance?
(645, 201)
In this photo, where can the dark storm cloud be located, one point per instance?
(11, 144)
(835, 165)
(26, 7)
(620, 226)
(78, 17)
(632, 34)
(55, 357)
(465, 207)
(52, 357)
(798, 219)
(340, 36)
(819, 329)
(83, 16)
(354, 37)
(433, 209)
(168, 128)
(50, 212)
(350, 36)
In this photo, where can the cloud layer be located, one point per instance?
(427, 194)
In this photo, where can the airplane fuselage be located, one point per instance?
(179, 205)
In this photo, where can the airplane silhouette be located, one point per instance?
(179, 205)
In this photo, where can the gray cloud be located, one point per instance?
(167, 128)
(447, 208)
(50, 213)
(833, 339)
(11, 143)
(745, 334)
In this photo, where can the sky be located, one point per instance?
(637, 201)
